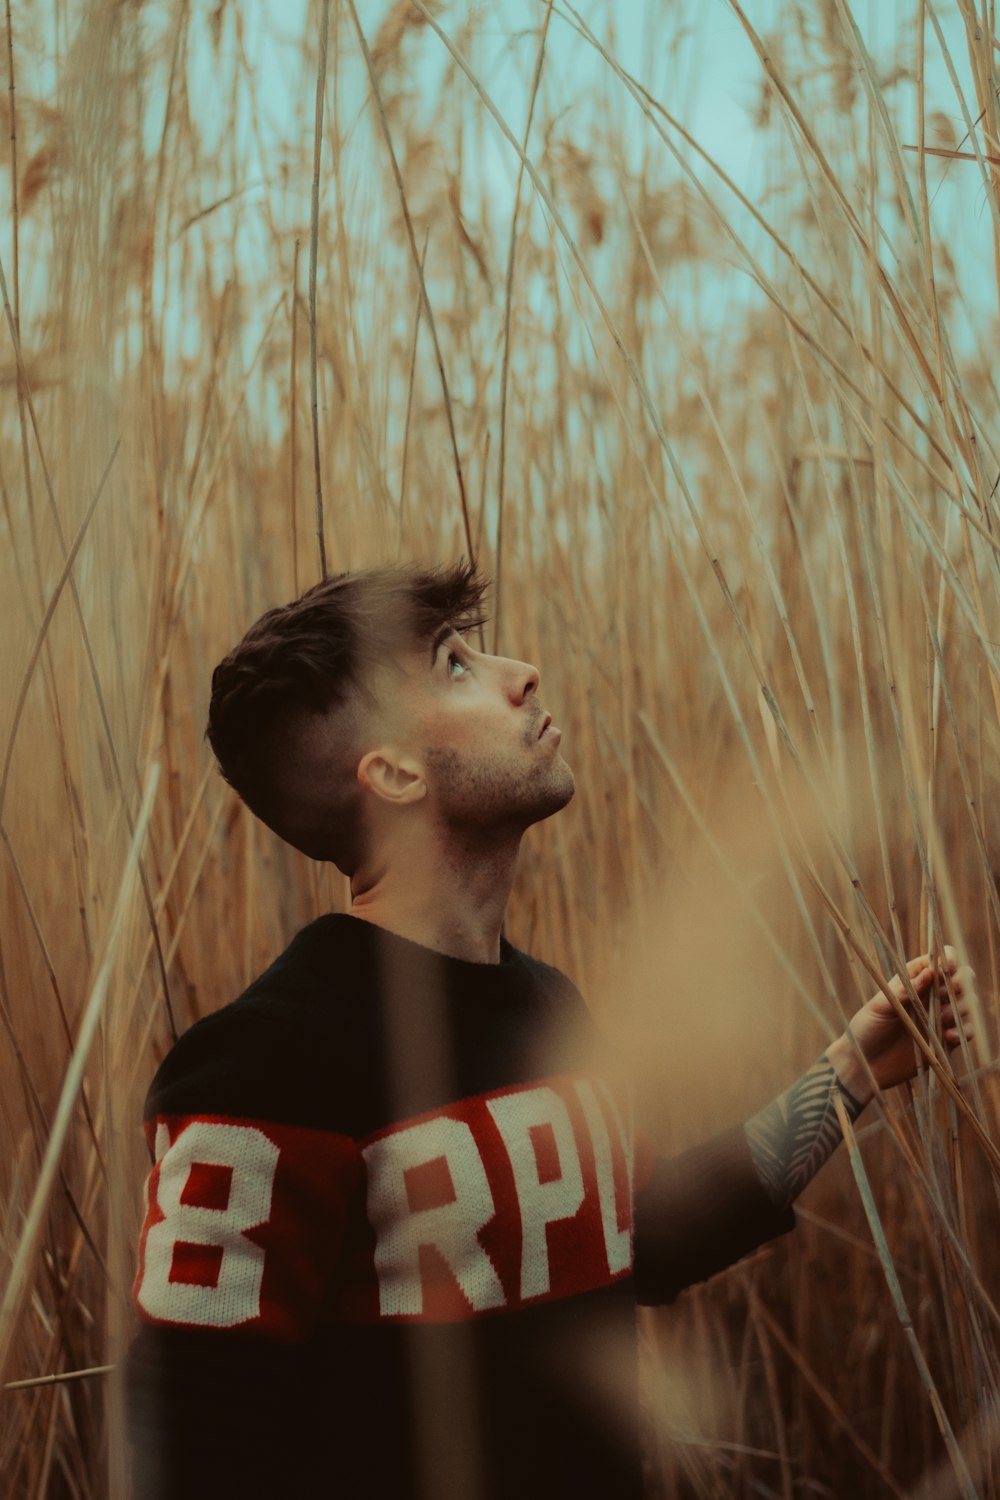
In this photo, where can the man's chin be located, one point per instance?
(558, 795)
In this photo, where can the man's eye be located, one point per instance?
(456, 661)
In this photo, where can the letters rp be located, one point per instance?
(496, 1201)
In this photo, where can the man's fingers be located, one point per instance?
(922, 972)
(959, 995)
(920, 975)
(948, 980)
(947, 963)
(956, 1006)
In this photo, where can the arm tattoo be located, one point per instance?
(792, 1138)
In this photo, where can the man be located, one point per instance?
(397, 1223)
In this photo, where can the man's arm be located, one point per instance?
(792, 1138)
(245, 1216)
(703, 1210)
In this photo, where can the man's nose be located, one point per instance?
(525, 678)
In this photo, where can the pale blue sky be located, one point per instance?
(704, 70)
(700, 65)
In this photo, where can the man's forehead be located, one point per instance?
(410, 654)
(394, 635)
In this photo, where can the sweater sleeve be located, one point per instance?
(245, 1215)
(698, 1213)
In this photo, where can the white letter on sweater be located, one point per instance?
(450, 1226)
(617, 1242)
(541, 1203)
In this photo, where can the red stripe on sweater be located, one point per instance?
(494, 1202)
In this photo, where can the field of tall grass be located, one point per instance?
(288, 287)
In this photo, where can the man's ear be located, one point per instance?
(398, 780)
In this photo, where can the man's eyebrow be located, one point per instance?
(441, 634)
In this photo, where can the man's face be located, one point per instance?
(475, 722)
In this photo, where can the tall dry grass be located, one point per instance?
(733, 461)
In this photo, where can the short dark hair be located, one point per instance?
(284, 714)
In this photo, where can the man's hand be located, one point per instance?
(881, 1035)
(791, 1139)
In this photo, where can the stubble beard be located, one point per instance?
(497, 795)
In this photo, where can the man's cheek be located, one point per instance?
(450, 739)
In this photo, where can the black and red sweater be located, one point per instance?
(396, 1233)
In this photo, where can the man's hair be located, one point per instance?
(286, 714)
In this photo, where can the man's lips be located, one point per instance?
(545, 724)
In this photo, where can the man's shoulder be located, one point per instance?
(258, 1051)
(555, 984)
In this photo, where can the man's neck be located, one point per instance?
(452, 902)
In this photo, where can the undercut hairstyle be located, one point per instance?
(287, 714)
